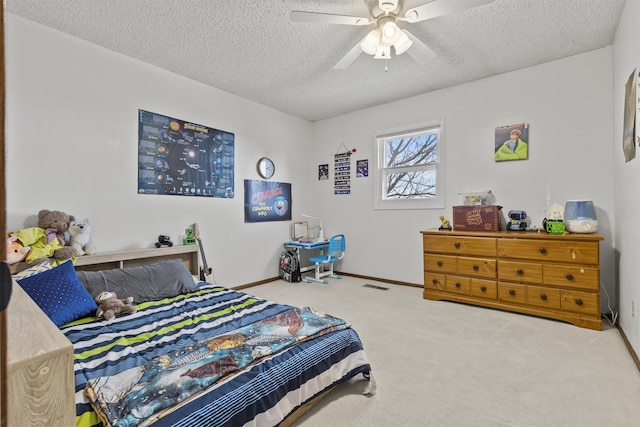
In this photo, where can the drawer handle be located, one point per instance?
(543, 251)
(483, 288)
(543, 297)
(439, 263)
(457, 245)
(569, 276)
(512, 292)
(579, 301)
(458, 285)
(520, 272)
(476, 268)
(434, 281)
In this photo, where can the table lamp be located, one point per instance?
(321, 232)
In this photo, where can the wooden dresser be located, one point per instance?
(554, 276)
(40, 378)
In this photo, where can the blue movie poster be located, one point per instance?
(182, 158)
(266, 201)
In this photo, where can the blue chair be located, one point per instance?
(335, 252)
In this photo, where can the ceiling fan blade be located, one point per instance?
(327, 18)
(348, 59)
(420, 52)
(437, 8)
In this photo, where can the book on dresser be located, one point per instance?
(553, 276)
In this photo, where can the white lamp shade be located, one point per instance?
(390, 33)
(402, 44)
(371, 42)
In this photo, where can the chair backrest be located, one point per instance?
(337, 246)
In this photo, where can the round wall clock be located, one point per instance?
(266, 168)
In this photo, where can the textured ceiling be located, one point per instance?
(251, 48)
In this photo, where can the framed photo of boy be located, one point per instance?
(511, 142)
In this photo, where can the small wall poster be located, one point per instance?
(362, 168)
(342, 173)
(323, 172)
(266, 201)
(511, 142)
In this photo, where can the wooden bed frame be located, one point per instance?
(133, 258)
(136, 257)
(40, 358)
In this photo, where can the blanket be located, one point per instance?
(129, 398)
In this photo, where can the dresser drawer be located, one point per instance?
(481, 246)
(484, 288)
(512, 292)
(458, 285)
(479, 267)
(434, 281)
(581, 302)
(521, 272)
(546, 275)
(572, 276)
(440, 263)
(543, 297)
(550, 250)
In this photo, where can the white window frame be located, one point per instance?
(379, 171)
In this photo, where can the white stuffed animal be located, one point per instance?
(80, 232)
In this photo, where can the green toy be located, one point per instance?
(189, 238)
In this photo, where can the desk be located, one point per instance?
(297, 246)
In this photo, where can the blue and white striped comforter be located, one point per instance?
(262, 394)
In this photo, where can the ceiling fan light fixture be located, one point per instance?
(403, 43)
(383, 52)
(371, 42)
(390, 32)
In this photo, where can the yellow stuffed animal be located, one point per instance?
(47, 241)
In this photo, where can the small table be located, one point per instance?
(297, 246)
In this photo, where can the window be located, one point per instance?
(409, 172)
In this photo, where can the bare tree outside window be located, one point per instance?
(410, 168)
(403, 156)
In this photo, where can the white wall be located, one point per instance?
(72, 128)
(72, 115)
(626, 178)
(568, 105)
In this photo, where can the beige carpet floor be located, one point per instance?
(447, 364)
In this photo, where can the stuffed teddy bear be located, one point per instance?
(47, 240)
(15, 251)
(109, 306)
(80, 232)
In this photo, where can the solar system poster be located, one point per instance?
(266, 201)
(183, 158)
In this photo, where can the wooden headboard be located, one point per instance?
(135, 257)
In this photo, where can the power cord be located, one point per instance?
(614, 314)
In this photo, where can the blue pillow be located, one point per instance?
(59, 293)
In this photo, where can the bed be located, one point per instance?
(195, 353)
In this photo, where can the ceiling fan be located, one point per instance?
(384, 15)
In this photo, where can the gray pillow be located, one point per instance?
(144, 283)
